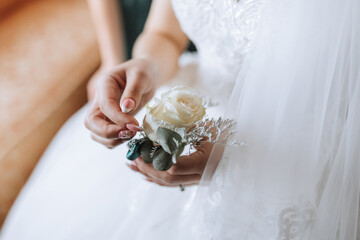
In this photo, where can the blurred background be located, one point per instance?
(48, 53)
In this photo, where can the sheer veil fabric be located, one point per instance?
(297, 105)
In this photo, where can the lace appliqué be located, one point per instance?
(222, 30)
(294, 222)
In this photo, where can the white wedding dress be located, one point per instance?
(288, 72)
(82, 190)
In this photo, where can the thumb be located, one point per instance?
(134, 89)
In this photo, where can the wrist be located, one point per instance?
(152, 68)
(108, 64)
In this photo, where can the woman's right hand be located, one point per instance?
(120, 93)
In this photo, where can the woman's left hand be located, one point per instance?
(187, 170)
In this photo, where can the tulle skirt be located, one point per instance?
(82, 190)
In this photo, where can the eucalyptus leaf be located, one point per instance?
(162, 160)
(170, 141)
(145, 150)
(179, 152)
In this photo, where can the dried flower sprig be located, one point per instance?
(210, 130)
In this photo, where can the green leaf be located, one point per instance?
(162, 160)
(170, 141)
(180, 150)
(145, 150)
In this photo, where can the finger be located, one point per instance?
(185, 182)
(157, 182)
(147, 169)
(194, 163)
(148, 178)
(136, 86)
(101, 127)
(189, 164)
(165, 177)
(176, 180)
(134, 168)
(172, 186)
(109, 143)
(109, 95)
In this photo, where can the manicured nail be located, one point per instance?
(126, 134)
(134, 127)
(127, 105)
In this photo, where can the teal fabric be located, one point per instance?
(134, 13)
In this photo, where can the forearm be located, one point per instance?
(107, 23)
(162, 41)
(161, 51)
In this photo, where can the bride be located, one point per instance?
(286, 71)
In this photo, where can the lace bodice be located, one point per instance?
(223, 32)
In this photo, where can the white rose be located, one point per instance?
(180, 107)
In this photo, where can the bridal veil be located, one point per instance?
(295, 173)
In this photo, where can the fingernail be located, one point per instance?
(134, 127)
(126, 134)
(127, 105)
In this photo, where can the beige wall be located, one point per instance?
(48, 51)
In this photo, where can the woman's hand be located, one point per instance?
(128, 86)
(187, 170)
(92, 83)
(120, 93)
